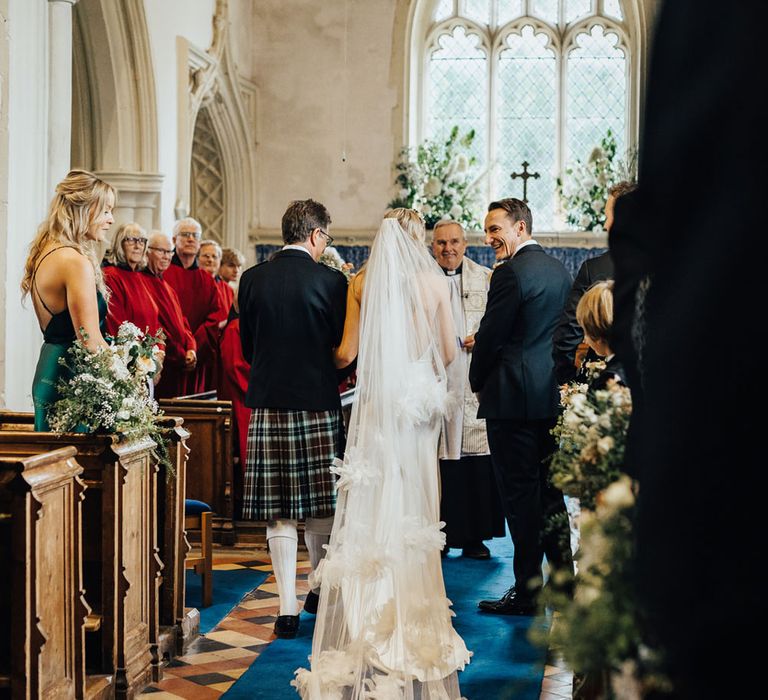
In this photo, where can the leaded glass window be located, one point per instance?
(539, 80)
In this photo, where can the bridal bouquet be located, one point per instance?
(108, 391)
(435, 180)
(591, 433)
(584, 190)
(331, 258)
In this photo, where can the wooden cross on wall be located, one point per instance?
(525, 175)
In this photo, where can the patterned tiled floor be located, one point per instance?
(216, 660)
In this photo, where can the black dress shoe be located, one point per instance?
(509, 604)
(476, 551)
(310, 603)
(286, 626)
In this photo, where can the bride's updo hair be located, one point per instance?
(411, 222)
(80, 198)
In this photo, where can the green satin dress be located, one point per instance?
(58, 337)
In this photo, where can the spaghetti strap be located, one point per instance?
(34, 275)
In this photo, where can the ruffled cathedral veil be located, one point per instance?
(383, 628)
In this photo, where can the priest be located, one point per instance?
(469, 501)
(200, 302)
(180, 345)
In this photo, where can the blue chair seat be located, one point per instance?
(193, 507)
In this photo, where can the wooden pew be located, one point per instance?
(183, 623)
(209, 468)
(42, 610)
(121, 566)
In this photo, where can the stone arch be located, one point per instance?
(114, 112)
(216, 88)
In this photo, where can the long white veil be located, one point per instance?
(383, 628)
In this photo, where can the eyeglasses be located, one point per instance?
(328, 239)
(134, 240)
(189, 234)
(162, 251)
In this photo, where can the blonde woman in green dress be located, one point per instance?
(63, 277)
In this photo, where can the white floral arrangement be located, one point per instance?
(108, 391)
(591, 432)
(584, 189)
(331, 258)
(436, 180)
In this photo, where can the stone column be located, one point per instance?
(59, 89)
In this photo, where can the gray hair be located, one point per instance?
(187, 220)
(448, 222)
(117, 254)
(157, 234)
(210, 241)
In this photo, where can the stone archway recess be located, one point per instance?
(114, 111)
(213, 83)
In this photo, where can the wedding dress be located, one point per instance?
(383, 629)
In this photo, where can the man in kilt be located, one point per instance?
(291, 317)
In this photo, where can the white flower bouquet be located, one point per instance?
(107, 391)
(584, 189)
(436, 180)
(591, 432)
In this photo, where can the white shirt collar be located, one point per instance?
(530, 241)
(297, 247)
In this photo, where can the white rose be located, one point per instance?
(403, 193)
(597, 205)
(123, 415)
(455, 211)
(433, 187)
(585, 220)
(145, 365)
(618, 494)
(426, 209)
(605, 445)
(118, 368)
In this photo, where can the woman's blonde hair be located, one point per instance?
(116, 253)
(594, 311)
(411, 221)
(80, 198)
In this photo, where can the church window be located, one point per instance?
(538, 80)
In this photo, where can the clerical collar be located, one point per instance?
(176, 260)
(453, 273)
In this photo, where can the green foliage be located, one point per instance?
(435, 180)
(584, 190)
(107, 391)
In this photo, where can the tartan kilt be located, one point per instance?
(288, 462)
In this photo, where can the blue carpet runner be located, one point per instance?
(229, 588)
(505, 664)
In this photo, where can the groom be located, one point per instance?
(291, 317)
(513, 371)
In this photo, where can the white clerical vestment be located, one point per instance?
(464, 433)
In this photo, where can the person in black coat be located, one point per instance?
(698, 451)
(512, 370)
(568, 334)
(292, 313)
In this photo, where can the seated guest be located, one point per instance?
(594, 313)
(232, 263)
(129, 299)
(180, 345)
(469, 501)
(200, 300)
(233, 385)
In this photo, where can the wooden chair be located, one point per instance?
(198, 516)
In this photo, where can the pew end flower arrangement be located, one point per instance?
(108, 391)
(435, 179)
(584, 189)
(599, 628)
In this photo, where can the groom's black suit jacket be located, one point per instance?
(512, 365)
(291, 317)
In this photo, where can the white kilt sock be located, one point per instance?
(282, 539)
(317, 532)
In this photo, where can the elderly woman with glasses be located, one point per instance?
(130, 299)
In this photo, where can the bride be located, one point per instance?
(383, 625)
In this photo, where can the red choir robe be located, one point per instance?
(202, 305)
(129, 300)
(179, 339)
(233, 381)
(226, 293)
